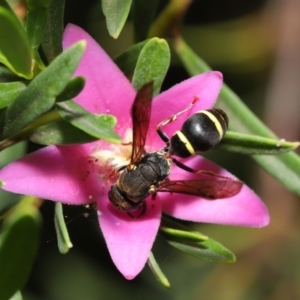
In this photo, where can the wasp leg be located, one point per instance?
(185, 167)
(138, 213)
(121, 168)
(171, 119)
(191, 170)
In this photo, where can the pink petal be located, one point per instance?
(129, 240)
(245, 208)
(61, 174)
(205, 86)
(106, 90)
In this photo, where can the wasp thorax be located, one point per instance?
(135, 184)
(200, 132)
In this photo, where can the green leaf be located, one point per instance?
(7, 75)
(209, 250)
(52, 39)
(8, 200)
(194, 243)
(4, 4)
(9, 91)
(183, 234)
(98, 126)
(15, 50)
(59, 133)
(18, 248)
(127, 60)
(285, 169)
(166, 23)
(143, 13)
(40, 95)
(46, 3)
(74, 87)
(13, 153)
(63, 238)
(36, 19)
(242, 119)
(152, 64)
(156, 270)
(254, 144)
(116, 13)
(16, 296)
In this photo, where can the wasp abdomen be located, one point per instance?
(200, 132)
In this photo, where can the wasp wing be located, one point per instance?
(206, 188)
(141, 113)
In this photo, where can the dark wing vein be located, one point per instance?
(141, 113)
(207, 188)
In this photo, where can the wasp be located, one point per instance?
(147, 172)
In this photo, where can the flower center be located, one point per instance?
(110, 158)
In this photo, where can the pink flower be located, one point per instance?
(81, 174)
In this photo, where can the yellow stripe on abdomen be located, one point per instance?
(186, 142)
(215, 121)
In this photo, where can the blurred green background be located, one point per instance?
(256, 45)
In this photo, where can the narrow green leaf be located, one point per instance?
(127, 60)
(40, 95)
(166, 23)
(74, 87)
(183, 234)
(98, 126)
(4, 4)
(35, 22)
(254, 144)
(19, 245)
(159, 275)
(59, 133)
(46, 2)
(13, 153)
(152, 64)
(16, 296)
(282, 170)
(201, 247)
(209, 250)
(63, 238)
(8, 200)
(242, 119)
(9, 91)
(143, 13)
(52, 39)
(15, 50)
(116, 13)
(7, 74)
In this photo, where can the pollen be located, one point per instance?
(110, 158)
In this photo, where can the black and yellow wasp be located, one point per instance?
(147, 173)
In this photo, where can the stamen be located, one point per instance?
(108, 161)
